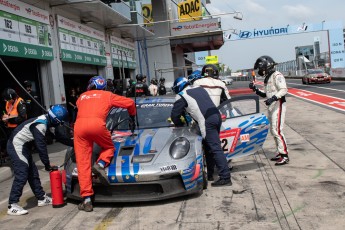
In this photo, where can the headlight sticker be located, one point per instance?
(168, 168)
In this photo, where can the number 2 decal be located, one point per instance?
(229, 139)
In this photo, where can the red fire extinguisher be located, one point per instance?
(56, 187)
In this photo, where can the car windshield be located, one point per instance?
(149, 115)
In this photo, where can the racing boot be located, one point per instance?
(276, 158)
(86, 206)
(99, 170)
(222, 182)
(284, 159)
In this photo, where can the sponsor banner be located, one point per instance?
(334, 28)
(185, 28)
(146, 10)
(122, 53)
(78, 57)
(80, 43)
(211, 59)
(189, 10)
(18, 49)
(200, 58)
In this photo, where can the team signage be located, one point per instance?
(211, 59)
(80, 43)
(189, 10)
(24, 31)
(122, 53)
(185, 28)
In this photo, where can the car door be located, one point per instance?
(244, 129)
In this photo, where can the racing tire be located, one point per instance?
(204, 174)
(307, 82)
(303, 82)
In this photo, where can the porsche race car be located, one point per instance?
(159, 161)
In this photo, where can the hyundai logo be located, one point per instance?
(245, 34)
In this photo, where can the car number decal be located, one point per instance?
(168, 168)
(229, 139)
(245, 138)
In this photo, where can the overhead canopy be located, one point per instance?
(198, 41)
(95, 11)
(92, 11)
(136, 32)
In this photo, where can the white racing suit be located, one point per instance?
(275, 85)
(215, 88)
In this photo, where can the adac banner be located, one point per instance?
(189, 10)
(334, 28)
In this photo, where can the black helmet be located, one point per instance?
(210, 71)
(110, 82)
(9, 94)
(27, 83)
(264, 64)
(162, 79)
(154, 81)
(139, 77)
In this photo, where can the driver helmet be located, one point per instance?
(264, 64)
(179, 84)
(210, 71)
(57, 114)
(194, 76)
(97, 82)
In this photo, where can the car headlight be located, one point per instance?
(179, 148)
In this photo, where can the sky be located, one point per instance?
(241, 54)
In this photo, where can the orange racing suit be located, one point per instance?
(93, 107)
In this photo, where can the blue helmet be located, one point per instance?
(57, 114)
(97, 82)
(179, 84)
(194, 76)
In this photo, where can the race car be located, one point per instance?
(159, 161)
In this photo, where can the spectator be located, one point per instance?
(153, 87)
(33, 109)
(161, 89)
(71, 105)
(140, 88)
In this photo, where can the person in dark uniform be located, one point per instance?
(196, 101)
(140, 88)
(161, 88)
(33, 110)
(24, 167)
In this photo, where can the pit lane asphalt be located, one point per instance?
(308, 193)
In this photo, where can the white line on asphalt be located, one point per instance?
(318, 87)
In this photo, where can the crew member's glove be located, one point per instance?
(252, 86)
(50, 168)
(271, 100)
(132, 123)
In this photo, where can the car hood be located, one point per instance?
(152, 144)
